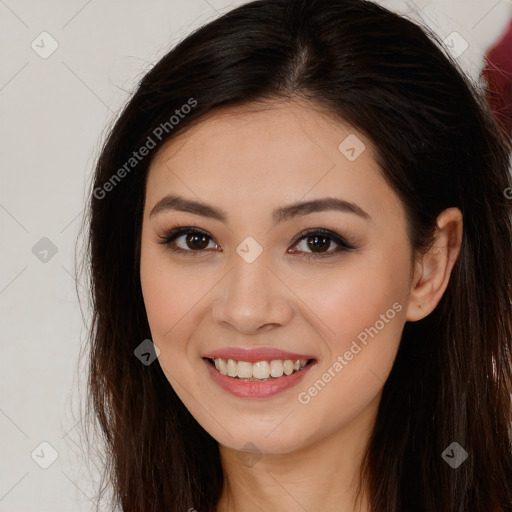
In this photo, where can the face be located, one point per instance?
(265, 284)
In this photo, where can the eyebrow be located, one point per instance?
(282, 214)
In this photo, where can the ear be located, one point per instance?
(432, 269)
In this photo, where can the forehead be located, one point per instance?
(243, 129)
(274, 153)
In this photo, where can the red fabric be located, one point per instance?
(498, 75)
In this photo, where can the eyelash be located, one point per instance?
(344, 246)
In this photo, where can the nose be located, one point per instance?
(253, 298)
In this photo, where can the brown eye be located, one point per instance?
(318, 242)
(195, 240)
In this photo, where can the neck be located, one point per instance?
(322, 475)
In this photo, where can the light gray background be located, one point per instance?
(53, 114)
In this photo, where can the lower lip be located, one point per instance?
(253, 389)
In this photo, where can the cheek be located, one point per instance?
(362, 311)
(172, 299)
(170, 293)
(363, 314)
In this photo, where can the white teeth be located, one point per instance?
(232, 368)
(223, 366)
(244, 369)
(276, 368)
(288, 366)
(262, 370)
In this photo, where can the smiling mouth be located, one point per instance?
(260, 371)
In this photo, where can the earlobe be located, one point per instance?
(433, 268)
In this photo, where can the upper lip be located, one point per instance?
(253, 355)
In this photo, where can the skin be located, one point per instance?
(247, 161)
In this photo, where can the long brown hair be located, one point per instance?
(438, 146)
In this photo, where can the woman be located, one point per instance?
(300, 248)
